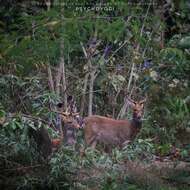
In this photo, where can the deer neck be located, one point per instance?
(136, 121)
(136, 124)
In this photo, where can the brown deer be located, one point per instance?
(68, 131)
(70, 127)
(111, 132)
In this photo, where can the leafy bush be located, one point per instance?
(140, 150)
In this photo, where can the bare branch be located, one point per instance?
(50, 79)
(84, 93)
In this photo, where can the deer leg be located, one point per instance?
(92, 142)
(108, 149)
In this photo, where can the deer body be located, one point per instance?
(107, 131)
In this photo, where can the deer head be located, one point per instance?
(70, 118)
(137, 107)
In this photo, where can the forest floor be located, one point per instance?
(160, 173)
(165, 174)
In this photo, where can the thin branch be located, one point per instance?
(84, 50)
(50, 79)
(29, 116)
(117, 50)
(129, 18)
(146, 46)
(93, 76)
(22, 168)
(32, 118)
(11, 162)
(58, 79)
(84, 93)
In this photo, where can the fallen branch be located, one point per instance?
(31, 117)
(24, 168)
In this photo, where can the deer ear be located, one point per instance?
(142, 101)
(131, 102)
(64, 118)
(65, 113)
(75, 114)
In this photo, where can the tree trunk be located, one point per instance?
(63, 76)
(93, 76)
(84, 94)
(50, 79)
(48, 4)
(62, 62)
(58, 78)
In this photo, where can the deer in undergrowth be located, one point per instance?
(71, 125)
(111, 132)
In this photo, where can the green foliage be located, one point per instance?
(164, 149)
(26, 94)
(14, 142)
(175, 116)
(101, 167)
(117, 82)
(177, 61)
(141, 149)
(111, 31)
(167, 120)
(30, 40)
(185, 42)
(177, 112)
(172, 55)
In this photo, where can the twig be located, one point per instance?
(28, 116)
(84, 93)
(146, 46)
(23, 168)
(50, 79)
(11, 162)
(121, 44)
(32, 118)
(117, 50)
(84, 50)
